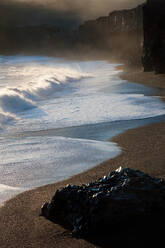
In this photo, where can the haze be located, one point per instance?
(58, 12)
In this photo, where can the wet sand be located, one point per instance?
(147, 78)
(142, 148)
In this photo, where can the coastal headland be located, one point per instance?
(142, 148)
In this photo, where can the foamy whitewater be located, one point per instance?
(57, 116)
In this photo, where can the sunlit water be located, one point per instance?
(56, 117)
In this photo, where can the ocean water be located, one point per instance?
(56, 118)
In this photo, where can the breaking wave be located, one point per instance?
(41, 93)
(38, 83)
(13, 103)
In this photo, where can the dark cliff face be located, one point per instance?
(94, 33)
(120, 34)
(154, 36)
(126, 32)
(126, 20)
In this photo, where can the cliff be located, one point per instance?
(126, 32)
(120, 33)
(126, 20)
(119, 36)
(94, 33)
(154, 36)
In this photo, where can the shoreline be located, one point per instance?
(142, 148)
(150, 79)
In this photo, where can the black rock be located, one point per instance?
(124, 195)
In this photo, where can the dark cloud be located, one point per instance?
(57, 12)
(27, 13)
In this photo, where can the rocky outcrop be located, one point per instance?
(94, 33)
(154, 36)
(120, 34)
(126, 32)
(122, 197)
(126, 20)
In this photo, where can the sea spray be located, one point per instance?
(39, 95)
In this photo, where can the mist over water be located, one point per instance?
(49, 92)
(25, 81)
(54, 114)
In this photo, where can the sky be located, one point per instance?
(58, 12)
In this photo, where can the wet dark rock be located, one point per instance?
(124, 195)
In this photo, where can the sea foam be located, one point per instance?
(24, 83)
(43, 93)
